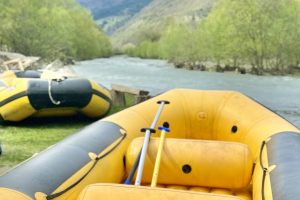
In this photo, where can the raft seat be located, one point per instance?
(189, 169)
(117, 191)
(244, 194)
(212, 167)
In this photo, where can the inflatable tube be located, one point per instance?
(97, 154)
(283, 153)
(114, 192)
(26, 94)
(28, 74)
(64, 160)
(227, 164)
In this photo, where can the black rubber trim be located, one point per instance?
(49, 169)
(283, 150)
(28, 74)
(12, 98)
(103, 96)
(70, 93)
(24, 93)
(107, 99)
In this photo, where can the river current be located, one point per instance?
(279, 93)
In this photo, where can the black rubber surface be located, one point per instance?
(70, 92)
(284, 152)
(12, 98)
(49, 169)
(28, 74)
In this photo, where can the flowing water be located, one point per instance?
(279, 93)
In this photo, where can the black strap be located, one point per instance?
(53, 196)
(265, 170)
(163, 101)
(148, 129)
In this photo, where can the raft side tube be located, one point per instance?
(13, 98)
(28, 74)
(283, 152)
(49, 169)
(66, 91)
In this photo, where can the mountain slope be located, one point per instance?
(157, 15)
(106, 8)
(112, 14)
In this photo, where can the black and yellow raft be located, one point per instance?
(41, 94)
(222, 145)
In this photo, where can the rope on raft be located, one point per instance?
(55, 102)
(265, 170)
(55, 195)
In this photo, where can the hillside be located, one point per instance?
(153, 18)
(112, 14)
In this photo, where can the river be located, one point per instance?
(280, 93)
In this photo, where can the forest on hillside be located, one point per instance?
(261, 34)
(51, 29)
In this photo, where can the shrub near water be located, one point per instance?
(51, 29)
(261, 33)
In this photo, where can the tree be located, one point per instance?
(51, 29)
(260, 30)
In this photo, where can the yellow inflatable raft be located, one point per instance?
(222, 145)
(39, 94)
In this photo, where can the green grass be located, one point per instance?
(20, 141)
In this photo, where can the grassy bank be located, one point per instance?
(21, 141)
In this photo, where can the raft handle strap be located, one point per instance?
(265, 170)
(55, 102)
(55, 195)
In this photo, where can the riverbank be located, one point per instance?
(17, 61)
(243, 69)
(210, 66)
(36, 63)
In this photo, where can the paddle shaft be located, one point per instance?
(133, 169)
(145, 146)
(158, 158)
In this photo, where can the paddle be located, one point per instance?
(141, 156)
(164, 129)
